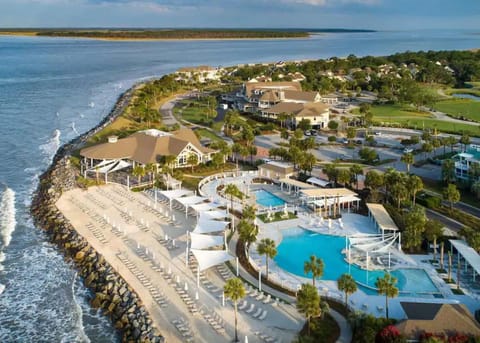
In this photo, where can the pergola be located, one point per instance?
(294, 185)
(318, 182)
(330, 198)
(383, 222)
(469, 254)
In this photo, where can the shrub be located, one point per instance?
(332, 138)
(389, 334)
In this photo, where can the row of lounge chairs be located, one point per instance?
(96, 201)
(215, 321)
(266, 338)
(97, 233)
(184, 328)
(157, 295)
(102, 191)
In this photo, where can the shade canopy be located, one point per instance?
(319, 182)
(468, 253)
(199, 241)
(190, 200)
(296, 183)
(381, 217)
(204, 207)
(210, 258)
(176, 193)
(209, 215)
(209, 226)
(327, 192)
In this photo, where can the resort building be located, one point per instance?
(258, 95)
(276, 170)
(465, 160)
(200, 74)
(316, 112)
(142, 148)
(438, 319)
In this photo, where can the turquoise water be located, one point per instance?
(268, 199)
(298, 245)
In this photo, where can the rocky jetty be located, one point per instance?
(111, 293)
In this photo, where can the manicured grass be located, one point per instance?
(208, 134)
(196, 111)
(388, 113)
(460, 108)
(408, 117)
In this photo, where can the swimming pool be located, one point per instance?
(298, 244)
(267, 199)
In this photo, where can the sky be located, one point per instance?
(362, 14)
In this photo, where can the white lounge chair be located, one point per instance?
(267, 299)
(257, 314)
(250, 309)
(243, 305)
(263, 315)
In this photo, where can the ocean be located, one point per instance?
(51, 90)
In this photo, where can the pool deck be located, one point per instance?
(361, 301)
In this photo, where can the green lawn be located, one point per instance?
(194, 111)
(408, 117)
(460, 107)
(208, 134)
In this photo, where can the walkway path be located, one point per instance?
(345, 329)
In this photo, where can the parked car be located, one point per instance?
(344, 141)
(407, 150)
(378, 133)
(307, 133)
(313, 132)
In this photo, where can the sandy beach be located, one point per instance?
(128, 229)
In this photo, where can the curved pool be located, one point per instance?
(298, 245)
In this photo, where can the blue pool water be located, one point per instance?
(267, 199)
(298, 244)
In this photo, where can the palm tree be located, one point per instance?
(234, 290)
(387, 285)
(414, 184)
(150, 169)
(169, 161)
(138, 171)
(433, 230)
(248, 232)
(232, 190)
(192, 160)
(249, 212)
(448, 171)
(315, 266)
(266, 247)
(308, 303)
(356, 170)
(408, 160)
(346, 284)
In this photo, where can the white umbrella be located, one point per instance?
(186, 286)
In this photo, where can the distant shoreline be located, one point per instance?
(175, 34)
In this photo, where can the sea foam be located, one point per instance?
(7, 216)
